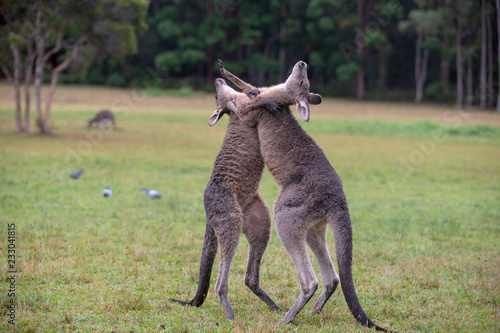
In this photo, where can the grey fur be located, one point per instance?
(311, 194)
(233, 206)
(102, 118)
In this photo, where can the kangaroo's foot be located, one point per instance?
(185, 303)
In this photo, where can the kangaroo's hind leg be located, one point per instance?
(316, 239)
(228, 224)
(257, 229)
(292, 230)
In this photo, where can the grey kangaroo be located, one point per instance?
(311, 194)
(102, 119)
(232, 206)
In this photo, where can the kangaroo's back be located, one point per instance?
(104, 115)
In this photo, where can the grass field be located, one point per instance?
(422, 183)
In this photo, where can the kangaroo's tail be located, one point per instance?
(341, 224)
(207, 261)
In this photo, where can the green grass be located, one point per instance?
(418, 128)
(184, 92)
(426, 223)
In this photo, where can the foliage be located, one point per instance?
(181, 41)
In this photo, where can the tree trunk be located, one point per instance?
(17, 85)
(200, 76)
(210, 48)
(6, 73)
(444, 74)
(445, 56)
(418, 65)
(240, 50)
(421, 60)
(383, 58)
(28, 71)
(458, 43)
(155, 4)
(55, 75)
(482, 75)
(360, 50)
(282, 41)
(470, 93)
(40, 48)
(210, 65)
(491, 90)
(498, 28)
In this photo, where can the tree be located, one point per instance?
(472, 18)
(482, 78)
(426, 22)
(446, 40)
(376, 36)
(20, 41)
(14, 41)
(498, 29)
(491, 91)
(59, 32)
(360, 50)
(189, 40)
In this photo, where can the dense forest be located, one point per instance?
(420, 50)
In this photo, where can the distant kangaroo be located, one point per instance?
(311, 194)
(232, 206)
(102, 119)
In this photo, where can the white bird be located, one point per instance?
(153, 194)
(107, 192)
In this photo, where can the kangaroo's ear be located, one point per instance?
(314, 99)
(303, 109)
(215, 117)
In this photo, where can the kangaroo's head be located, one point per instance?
(297, 88)
(224, 99)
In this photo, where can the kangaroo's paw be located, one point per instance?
(253, 93)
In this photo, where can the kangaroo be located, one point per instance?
(102, 119)
(311, 194)
(233, 206)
